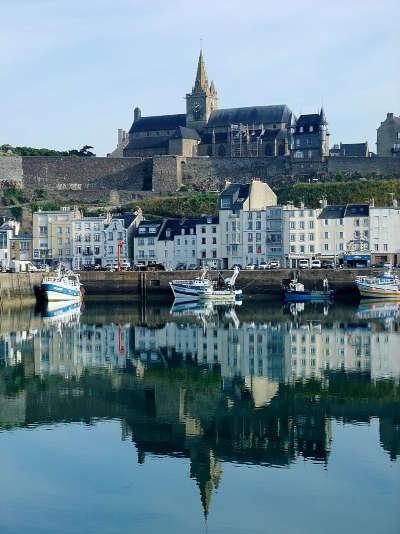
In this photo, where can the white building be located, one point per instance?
(385, 234)
(208, 241)
(8, 230)
(243, 240)
(88, 240)
(300, 234)
(344, 233)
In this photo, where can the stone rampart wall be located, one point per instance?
(386, 167)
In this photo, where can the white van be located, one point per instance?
(303, 264)
(22, 266)
(315, 264)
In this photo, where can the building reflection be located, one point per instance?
(217, 390)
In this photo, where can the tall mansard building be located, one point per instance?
(206, 130)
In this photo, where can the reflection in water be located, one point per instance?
(211, 384)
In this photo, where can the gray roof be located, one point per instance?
(354, 149)
(309, 120)
(250, 115)
(344, 210)
(186, 133)
(148, 142)
(158, 122)
(237, 193)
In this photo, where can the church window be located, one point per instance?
(301, 129)
(309, 154)
(311, 129)
(308, 141)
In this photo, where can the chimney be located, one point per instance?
(227, 183)
(323, 202)
(137, 114)
(389, 116)
(372, 202)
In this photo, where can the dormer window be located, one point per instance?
(225, 202)
(168, 233)
(142, 230)
(152, 230)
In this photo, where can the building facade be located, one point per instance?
(388, 136)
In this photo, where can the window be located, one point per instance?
(141, 253)
(150, 240)
(43, 229)
(385, 247)
(203, 229)
(250, 238)
(250, 225)
(214, 229)
(301, 225)
(59, 229)
(292, 237)
(203, 240)
(141, 241)
(178, 240)
(250, 249)
(59, 241)
(258, 225)
(326, 222)
(311, 225)
(258, 237)
(302, 248)
(87, 226)
(214, 240)
(78, 250)
(120, 236)
(293, 248)
(97, 237)
(312, 248)
(111, 250)
(357, 222)
(326, 246)
(97, 250)
(311, 129)
(311, 237)
(376, 247)
(214, 253)
(60, 252)
(110, 236)
(341, 247)
(326, 235)
(301, 129)
(340, 235)
(225, 203)
(302, 237)
(258, 249)
(151, 253)
(292, 225)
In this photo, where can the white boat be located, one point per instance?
(57, 312)
(386, 285)
(62, 286)
(203, 288)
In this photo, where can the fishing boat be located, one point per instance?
(202, 287)
(64, 285)
(385, 285)
(296, 292)
(59, 311)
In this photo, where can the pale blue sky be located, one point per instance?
(71, 71)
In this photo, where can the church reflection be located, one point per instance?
(224, 389)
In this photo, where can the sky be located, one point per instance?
(71, 72)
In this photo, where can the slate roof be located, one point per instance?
(250, 115)
(147, 142)
(354, 149)
(147, 225)
(344, 210)
(186, 133)
(238, 193)
(158, 122)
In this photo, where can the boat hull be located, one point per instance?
(183, 291)
(374, 292)
(307, 296)
(55, 292)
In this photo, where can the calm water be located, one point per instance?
(262, 419)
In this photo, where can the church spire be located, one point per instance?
(201, 83)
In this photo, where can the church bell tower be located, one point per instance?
(202, 100)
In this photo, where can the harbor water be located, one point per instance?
(117, 417)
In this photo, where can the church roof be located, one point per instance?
(354, 149)
(158, 122)
(201, 82)
(249, 115)
(148, 142)
(186, 133)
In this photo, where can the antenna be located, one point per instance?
(201, 43)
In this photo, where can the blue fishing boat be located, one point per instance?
(296, 292)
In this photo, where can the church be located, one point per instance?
(206, 130)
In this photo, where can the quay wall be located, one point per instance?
(156, 284)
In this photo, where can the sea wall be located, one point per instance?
(156, 284)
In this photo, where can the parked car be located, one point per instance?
(250, 267)
(263, 265)
(303, 264)
(316, 264)
(274, 264)
(192, 266)
(180, 267)
(387, 265)
(328, 264)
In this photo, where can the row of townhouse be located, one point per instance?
(178, 242)
(252, 229)
(75, 240)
